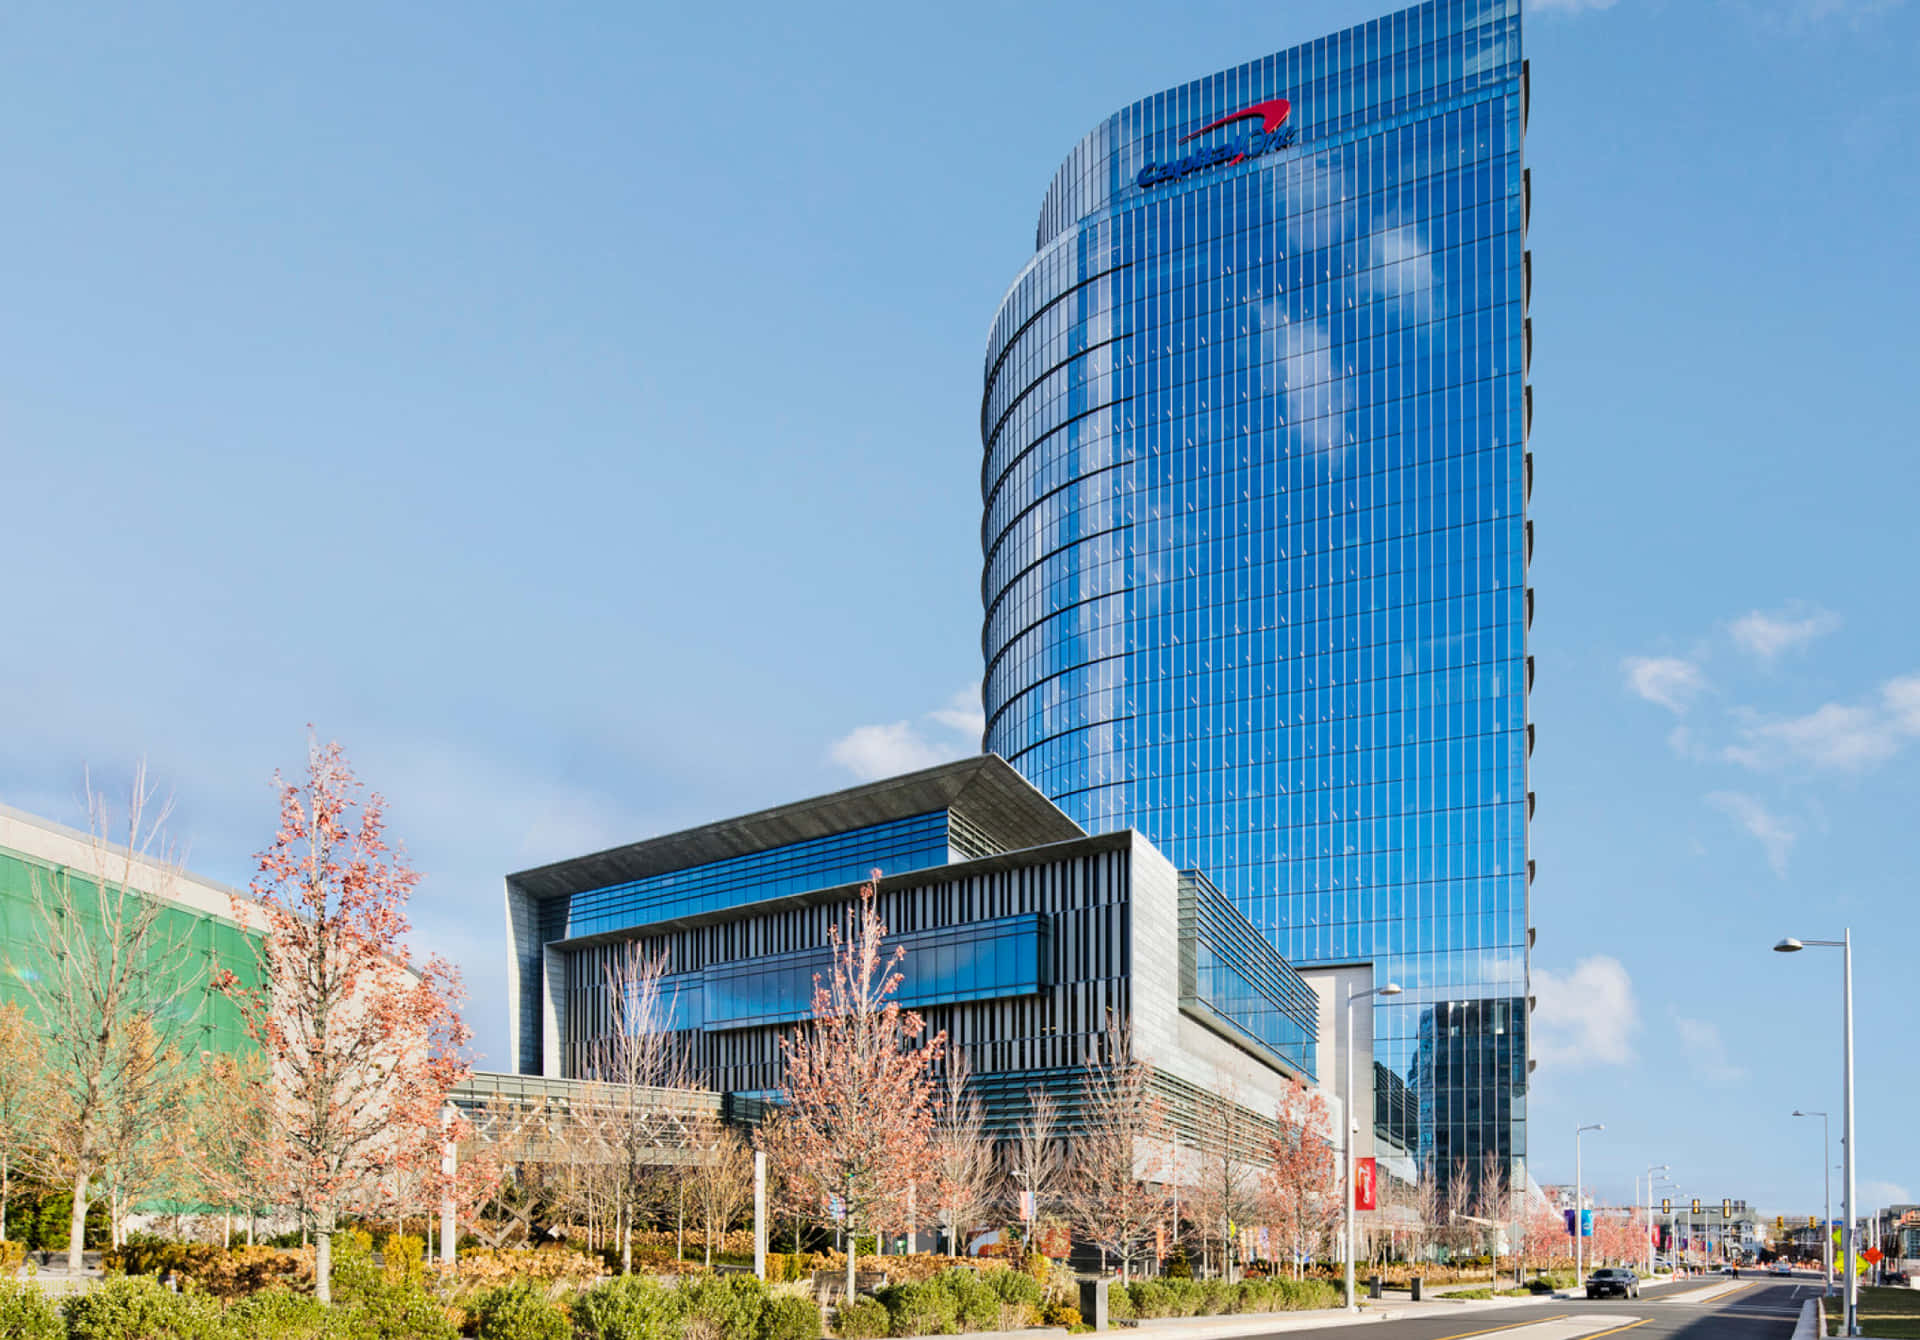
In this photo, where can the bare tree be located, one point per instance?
(639, 1056)
(961, 1167)
(720, 1175)
(1425, 1200)
(1230, 1170)
(22, 1058)
(1493, 1202)
(225, 1137)
(115, 991)
(1117, 1185)
(1033, 1159)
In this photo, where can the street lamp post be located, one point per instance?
(1657, 1168)
(1848, 1248)
(1346, 1112)
(1579, 1210)
(1826, 1173)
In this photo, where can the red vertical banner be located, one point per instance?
(1366, 1192)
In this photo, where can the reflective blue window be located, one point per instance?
(980, 960)
(818, 863)
(1233, 975)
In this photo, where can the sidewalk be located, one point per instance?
(1266, 1323)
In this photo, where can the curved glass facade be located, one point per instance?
(1255, 523)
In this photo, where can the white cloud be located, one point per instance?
(1668, 681)
(1902, 699)
(1771, 831)
(1832, 736)
(1767, 635)
(1587, 1017)
(871, 752)
(963, 712)
(1707, 1051)
(888, 749)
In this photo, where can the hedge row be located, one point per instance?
(630, 1308)
(1213, 1298)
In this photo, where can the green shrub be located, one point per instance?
(519, 1311)
(25, 1314)
(627, 1307)
(402, 1310)
(1012, 1286)
(926, 1308)
(728, 1304)
(139, 1308)
(862, 1319)
(275, 1314)
(976, 1307)
(790, 1318)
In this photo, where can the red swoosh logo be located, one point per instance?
(1272, 118)
(1272, 114)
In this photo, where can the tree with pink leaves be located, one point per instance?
(1302, 1179)
(363, 1044)
(860, 1090)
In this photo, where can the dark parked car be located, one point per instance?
(1602, 1283)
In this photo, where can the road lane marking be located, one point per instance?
(1616, 1330)
(1510, 1326)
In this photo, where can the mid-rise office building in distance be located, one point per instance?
(1256, 483)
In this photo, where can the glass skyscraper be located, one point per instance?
(1256, 540)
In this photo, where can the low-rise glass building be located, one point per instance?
(1027, 941)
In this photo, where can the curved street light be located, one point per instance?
(1844, 944)
(1346, 1112)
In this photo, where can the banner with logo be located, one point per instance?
(1366, 1189)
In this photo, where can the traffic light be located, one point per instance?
(1726, 1209)
(1696, 1204)
(1666, 1205)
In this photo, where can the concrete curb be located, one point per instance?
(1251, 1323)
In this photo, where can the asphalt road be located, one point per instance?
(1764, 1307)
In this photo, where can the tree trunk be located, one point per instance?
(853, 1245)
(625, 1230)
(77, 1231)
(323, 1264)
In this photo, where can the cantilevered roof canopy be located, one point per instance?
(995, 801)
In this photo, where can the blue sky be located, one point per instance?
(574, 413)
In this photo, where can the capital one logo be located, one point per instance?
(1274, 133)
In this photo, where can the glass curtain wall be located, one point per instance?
(1254, 482)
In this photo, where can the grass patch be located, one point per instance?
(1883, 1312)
